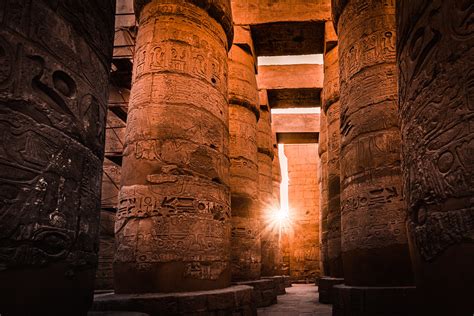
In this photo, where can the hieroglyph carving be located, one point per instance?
(54, 64)
(436, 58)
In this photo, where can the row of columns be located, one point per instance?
(402, 214)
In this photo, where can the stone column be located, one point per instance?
(323, 200)
(265, 193)
(54, 67)
(376, 262)
(173, 223)
(243, 99)
(331, 107)
(436, 59)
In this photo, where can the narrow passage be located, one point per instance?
(299, 300)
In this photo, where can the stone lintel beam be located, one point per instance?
(219, 10)
(288, 38)
(290, 76)
(265, 11)
(297, 138)
(295, 123)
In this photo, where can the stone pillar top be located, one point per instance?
(337, 6)
(219, 10)
(243, 39)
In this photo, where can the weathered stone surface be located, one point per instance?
(374, 244)
(279, 282)
(326, 289)
(246, 252)
(173, 223)
(264, 129)
(374, 301)
(234, 300)
(288, 38)
(323, 186)
(296, 123)
(266, 11)
(330, 36)
(303, 195)
(264, 291)
(290, 76)
(331, 106)
(54, 66)
(276, 177)
(436, 62)
(243, 116)
(243, 154)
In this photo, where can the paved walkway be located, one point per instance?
(299, 300)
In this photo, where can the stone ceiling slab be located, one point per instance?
(294, 98)
(288, 38)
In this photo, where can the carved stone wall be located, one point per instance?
(436, 67)
(331, 106)
(54, 65)
(374, 243)
(323, 194)
(303, 196)
(173, 223)
(243, 98)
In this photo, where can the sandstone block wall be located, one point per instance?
(304, 195)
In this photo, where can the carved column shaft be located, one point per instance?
(436, 67)
(323, 180)
(173, 223)
(243, 98)
(374, 243)
(331, 106)
(54, 66)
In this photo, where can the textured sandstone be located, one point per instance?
(243, 116)
(173, 223)
(331, 106)
(436, 62)
(54, 67)
(374, 244)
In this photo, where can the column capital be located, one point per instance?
(219, 10)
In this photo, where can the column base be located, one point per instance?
(287, 280)
(233, 300)
(326, 288)
(264, 291)
(374, 301)
(279, 283)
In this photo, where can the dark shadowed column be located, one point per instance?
(173, 223)
(376, 261)
(54, 66)
(243, 99)
(436, 67)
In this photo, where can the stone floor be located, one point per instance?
(299, 300)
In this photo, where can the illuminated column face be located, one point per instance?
(243, 98)
(323, 177)
(331, 106)
(54, 68)
(173, 223)
(373, 211)
(436, 58)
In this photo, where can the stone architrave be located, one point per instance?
(376, 261)
(331, 107)
(173, 222)
(243, 102)
(436, 77)
(323, 180)
(54, 68)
